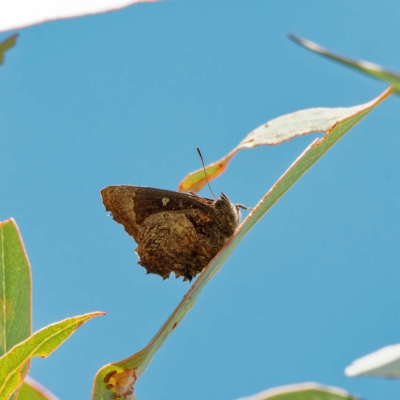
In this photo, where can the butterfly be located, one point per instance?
(175, 232)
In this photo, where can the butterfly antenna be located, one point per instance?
(205, 173)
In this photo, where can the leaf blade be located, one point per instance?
(371, 69)
(15, 291)
(15, 288)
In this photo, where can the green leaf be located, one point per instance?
(384, 362)
(302, 391)
(118, 379)
(15, 290)
(6, 45)
(366, 67)
(40, 344)
(32, 390)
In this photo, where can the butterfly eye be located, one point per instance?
(219, 204)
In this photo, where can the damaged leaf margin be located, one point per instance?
(111, 381)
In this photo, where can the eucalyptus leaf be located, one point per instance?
(15, 291)
(366, 67)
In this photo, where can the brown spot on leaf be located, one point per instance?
(121, 382)
(174, 326)
(108, 376)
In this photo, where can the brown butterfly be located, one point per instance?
(175, 232)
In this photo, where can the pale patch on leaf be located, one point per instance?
(299, 123)
(384, 362)
(21, 13)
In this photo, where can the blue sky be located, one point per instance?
(125, 98)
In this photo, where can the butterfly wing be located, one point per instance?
(131, 205)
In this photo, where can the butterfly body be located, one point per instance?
(175, 232)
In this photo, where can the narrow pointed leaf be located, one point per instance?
(273, 132)
(6, 45)
(21, 13)
(40, 344)
(384, 362)
(302, 391)
(32, 390)
(15, 291)
(366, 67)
(118, 379)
